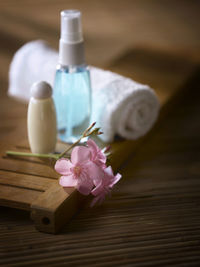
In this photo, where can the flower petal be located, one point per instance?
(116, 179)
(92, 145)
(85, 186)
(97, 190)
(95, 173)
(109, 171)
(96, 154)
(102, 157)
(67, 181)
(80, 154)
(63, 166)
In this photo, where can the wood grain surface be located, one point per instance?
(152, 218)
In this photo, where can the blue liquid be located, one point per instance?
(72, 97)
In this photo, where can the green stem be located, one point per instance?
(69, 148)
(24, 154)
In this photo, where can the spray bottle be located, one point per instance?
(72, 91)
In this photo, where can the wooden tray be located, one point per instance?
(32, 184)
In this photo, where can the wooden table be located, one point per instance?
(152, 218)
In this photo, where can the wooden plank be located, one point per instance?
(25, 181)
(16, 197)
(54, 207)
(27, 166)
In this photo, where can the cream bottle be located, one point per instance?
(41, 119)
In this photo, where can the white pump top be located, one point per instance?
(71, 46)
(71, 29)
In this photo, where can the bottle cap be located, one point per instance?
(71, 29)
(41, 90)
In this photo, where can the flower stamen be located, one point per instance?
(77, 171)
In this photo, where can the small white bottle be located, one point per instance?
(41, 119)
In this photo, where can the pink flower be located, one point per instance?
(97, 156)
(80, 172)
(87, 172)
(104, 187)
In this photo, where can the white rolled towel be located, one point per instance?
(120, 106)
